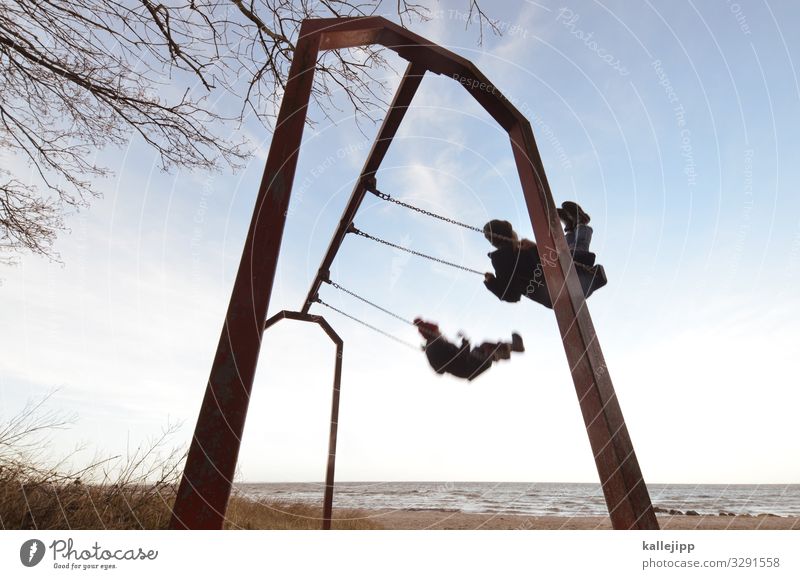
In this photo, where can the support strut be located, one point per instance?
(397, 110)
(327, 501)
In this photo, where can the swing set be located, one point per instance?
(207, 480)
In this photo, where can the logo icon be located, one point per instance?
(31, 553)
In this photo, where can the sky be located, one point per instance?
(674, 124)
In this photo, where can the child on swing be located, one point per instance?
(463, 361)
(518, 264)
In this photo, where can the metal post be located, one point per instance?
(623, 486)
(208, 476)
(327, 509)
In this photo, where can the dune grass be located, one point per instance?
(54, 503)
(244, 513)
(57, 503)
(132, 492)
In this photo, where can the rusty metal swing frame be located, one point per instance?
(205, 488)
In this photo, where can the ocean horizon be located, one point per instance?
(533, 499)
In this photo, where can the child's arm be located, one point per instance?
(500, 289)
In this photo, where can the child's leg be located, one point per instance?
(516, 343)
(580, 238)
(495, 350)
(503, 351)
(485, 350)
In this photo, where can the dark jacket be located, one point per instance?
(460, 361)
(519, 272)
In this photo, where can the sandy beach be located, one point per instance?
(448, 520)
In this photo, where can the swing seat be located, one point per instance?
(591, 278)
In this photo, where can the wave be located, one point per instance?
(536, 499)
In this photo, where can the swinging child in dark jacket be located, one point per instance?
(518, 264)
(463, 361)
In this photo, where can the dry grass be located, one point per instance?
(132, 492)
(54, 504)
(247, 514)
(27, 503)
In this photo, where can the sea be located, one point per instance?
(533, 499)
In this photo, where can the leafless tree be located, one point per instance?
(79, 75)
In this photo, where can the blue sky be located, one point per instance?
(673, 123)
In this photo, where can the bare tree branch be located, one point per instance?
(77, 76)
(478, 14)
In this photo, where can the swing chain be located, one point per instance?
(387, 197)
(366, 301)
(354, 229)
(370, 326)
